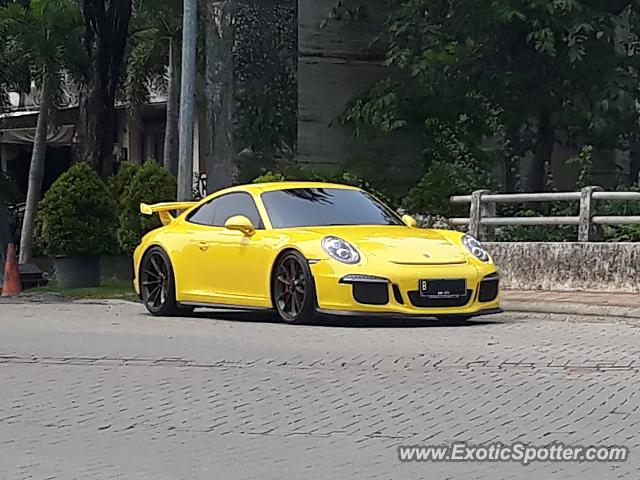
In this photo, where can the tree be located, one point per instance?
(42, 37)
(154, 44)
(527, 74)
(106, 31)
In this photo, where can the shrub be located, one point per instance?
(119, 182)
(77, 216)
(149, 183)
(432, 193)
(269, 177)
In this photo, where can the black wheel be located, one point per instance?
(293, 290)
(157, 286)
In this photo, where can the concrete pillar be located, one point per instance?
(4, 157)
(478, 211)
(149, 151)
(134, 140)
(587, 232)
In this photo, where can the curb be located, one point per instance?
(569, 308)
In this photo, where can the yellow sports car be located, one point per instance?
(302, 248)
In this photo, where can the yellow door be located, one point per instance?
(238, 268)
(225, 266)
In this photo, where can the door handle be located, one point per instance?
(203, 246)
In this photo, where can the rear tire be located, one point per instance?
(293, 289)
(157, 283)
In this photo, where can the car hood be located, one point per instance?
(398, 244)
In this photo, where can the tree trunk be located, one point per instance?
(36, 172)
(542, 154)
(96, 125)
(105, 39)
(170, 155)
(5, 230)
(219, 95)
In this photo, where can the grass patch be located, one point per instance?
(110, 289)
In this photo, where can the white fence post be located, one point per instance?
(477, 212)
(587, 231)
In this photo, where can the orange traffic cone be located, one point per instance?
(12, 285)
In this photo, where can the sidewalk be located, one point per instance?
(623, 305)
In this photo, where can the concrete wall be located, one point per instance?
(601, 267)
(335, 64)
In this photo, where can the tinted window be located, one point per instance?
(219, 210)
(305, 207)
(203, 215)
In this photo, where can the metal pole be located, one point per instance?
(187, 99)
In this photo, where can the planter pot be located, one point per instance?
(78, 272)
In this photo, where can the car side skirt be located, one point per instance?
(224, 306)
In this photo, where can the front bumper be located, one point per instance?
(394, 289)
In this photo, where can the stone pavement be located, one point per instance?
(102, 390)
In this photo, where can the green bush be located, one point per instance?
(119, 182)
(269, 177)
(621, 233)
(149, 183)
(442, 180)
(77, 216)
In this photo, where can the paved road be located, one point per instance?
(105, 391)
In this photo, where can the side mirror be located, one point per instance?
(241, 224)
(409, 221)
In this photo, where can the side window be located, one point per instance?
(219, 210)
(203, 215)
(233, 204)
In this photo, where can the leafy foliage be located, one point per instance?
(77, 215)
(583, 158)
(40, 42)
(148, 183)
(118, 183)
(442, 180)
(153, 24)
(529, 73)
(264, 57)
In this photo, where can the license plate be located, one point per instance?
(442, 288)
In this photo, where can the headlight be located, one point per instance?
(340, 250)
(476, 248)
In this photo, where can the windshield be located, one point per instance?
(307, 207)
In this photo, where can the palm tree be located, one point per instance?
(154, 45)
(43, 37)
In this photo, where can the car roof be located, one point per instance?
(258, 188)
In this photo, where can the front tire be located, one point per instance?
(293, 289)
(157, 283)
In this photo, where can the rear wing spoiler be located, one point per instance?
(164, 209)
